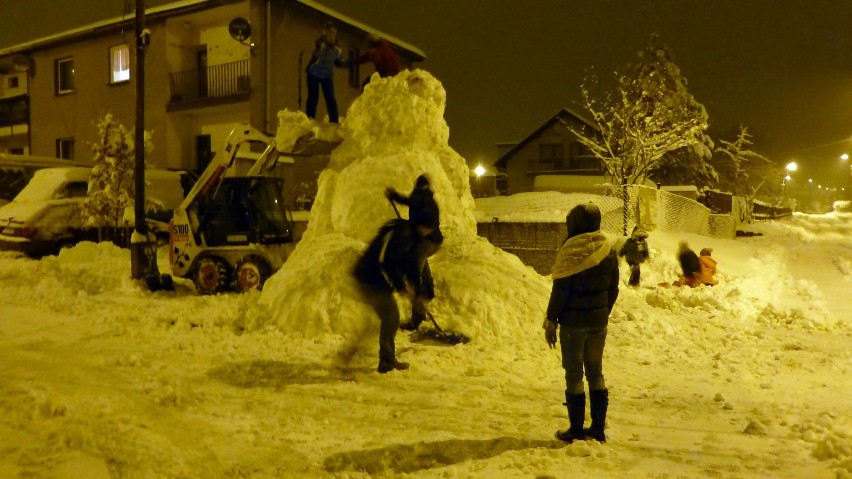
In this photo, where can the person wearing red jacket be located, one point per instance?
(381, 54)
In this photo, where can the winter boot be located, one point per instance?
(576, 414)
(599, 402)
(388, 367)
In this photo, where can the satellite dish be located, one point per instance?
(239, 29)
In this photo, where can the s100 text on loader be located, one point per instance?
(232, 231)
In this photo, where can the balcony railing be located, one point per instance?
(212, 82)
(14, 111)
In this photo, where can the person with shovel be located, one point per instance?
(585, 286)
(391, 265)
(424, 215)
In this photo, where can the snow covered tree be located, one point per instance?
(112, 181)
(650, 115)
(684, 167)
(742, 171)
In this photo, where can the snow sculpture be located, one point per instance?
(394, 132)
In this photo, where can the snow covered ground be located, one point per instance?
(102, 379)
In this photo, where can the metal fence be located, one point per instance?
(211, 82)
(536, 243)
(14, 111)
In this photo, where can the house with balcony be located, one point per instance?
(551, 158)
(201, 78)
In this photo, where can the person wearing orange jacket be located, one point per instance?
(707, 275)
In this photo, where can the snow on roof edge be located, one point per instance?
(95, 25)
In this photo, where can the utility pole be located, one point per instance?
(139, 244)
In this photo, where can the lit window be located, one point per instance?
(119, 60)
(64, 76)
(65, 148)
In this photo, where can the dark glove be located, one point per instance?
(389, 192)
(550, 332)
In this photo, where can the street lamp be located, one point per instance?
(792, 166)
(479, 170)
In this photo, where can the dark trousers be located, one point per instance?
(327, 85)
(384, 304)
(582, 349)
(634, 275)
(425, 249)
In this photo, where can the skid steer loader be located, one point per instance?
(232, 230)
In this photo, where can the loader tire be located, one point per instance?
(211, 275)
(250, 273)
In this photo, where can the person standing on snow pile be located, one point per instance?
(708, 267)
(381, 54)
(320, 71)
(424, 215)
(390, 265)
(689, 266)
(585, 287)
(635, 252)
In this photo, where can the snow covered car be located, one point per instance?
(45, 216)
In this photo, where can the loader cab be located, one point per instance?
(242, 211)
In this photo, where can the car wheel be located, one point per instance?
(211, 275)
(250, 274)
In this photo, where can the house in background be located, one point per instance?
(200, 80)
(551, 158)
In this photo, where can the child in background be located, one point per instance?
(707, 275)
(635, 252)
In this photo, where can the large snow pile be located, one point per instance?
(394, 132)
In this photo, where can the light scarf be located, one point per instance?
(580, 253)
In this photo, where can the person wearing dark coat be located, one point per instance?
(424, 214)
(585, 287)
(690, 266)
(635, 252)
(390, 265)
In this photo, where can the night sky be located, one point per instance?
(781, 68)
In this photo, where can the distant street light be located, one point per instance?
(479, 170)
(785, 195)
(844, 157)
